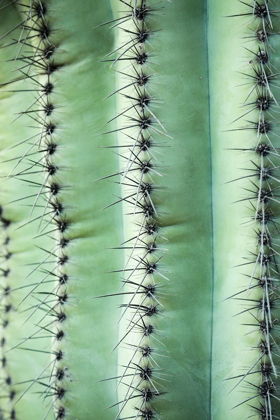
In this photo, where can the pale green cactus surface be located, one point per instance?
(139, 209)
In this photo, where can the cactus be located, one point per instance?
(46, 193)
(139, 282)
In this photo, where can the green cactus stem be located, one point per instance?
(246, 248)
(140, 282)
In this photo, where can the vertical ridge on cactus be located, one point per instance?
(22, 254)
(155, 122)
(247, 256)
(58, 163)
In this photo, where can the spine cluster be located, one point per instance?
(141, 135)
(36, 72)
(8, 392)
(261, 294)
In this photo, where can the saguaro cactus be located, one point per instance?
(44, 190)
(139, 258)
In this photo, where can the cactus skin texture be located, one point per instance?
(188, 299)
